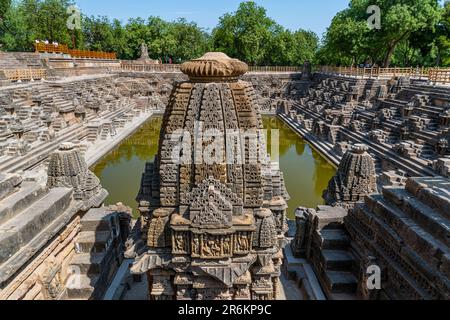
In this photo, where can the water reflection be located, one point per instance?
(306, 172)
(120, 171)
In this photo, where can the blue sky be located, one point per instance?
(312, 15)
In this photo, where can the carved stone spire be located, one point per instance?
(67, 168)
(355, 179)
(222, 204)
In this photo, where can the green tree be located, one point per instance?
(350, 40)
(98, 34)
(15, 33)
(160, 38)
(245, 34)
(136, 32)
(28, 20)
(5, 5)
(251, 36)
(443, 37)
(191, 41)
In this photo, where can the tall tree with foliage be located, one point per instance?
(5, 5)
(443, 37)
(351, 40)
(245, 34)
(28, 20)
(251, 36)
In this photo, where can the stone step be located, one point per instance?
(425, 216)
(90, 263)
(340, 282)
(334, 239)
(409, 231)
(19, 230)
(9, 184)
(435, 197)
(337, 260)
(93, 242)
(42, 150)
(97, 219)
(28, 193)
(81, 287)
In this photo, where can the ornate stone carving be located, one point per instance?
(67, 168)
(214, 66)
(355, 179)
(214, 209)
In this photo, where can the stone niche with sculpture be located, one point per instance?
(212, 231)
(144, 56)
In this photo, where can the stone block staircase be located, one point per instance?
(406, 228)
(98, 255)
(332, 260)
(30, 215)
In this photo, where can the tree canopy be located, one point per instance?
(409, 34)
(413, 32)
(251, 36)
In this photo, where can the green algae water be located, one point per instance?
(120, 170)
(306, 172)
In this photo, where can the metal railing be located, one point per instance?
(435, 75)
(24, 74)
(63, 49)
(51, 48)
(92, 54)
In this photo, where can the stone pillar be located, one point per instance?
(303, 219)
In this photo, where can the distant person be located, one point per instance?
(170, 60)
(46, 42)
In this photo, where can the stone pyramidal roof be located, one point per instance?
(200, 212)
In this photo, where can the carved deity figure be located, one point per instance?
(144, 51)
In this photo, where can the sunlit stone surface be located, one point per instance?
(212, 230)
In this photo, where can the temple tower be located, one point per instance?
(213, 206)
(68, 169)
(354, 180)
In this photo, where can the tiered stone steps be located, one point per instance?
(337, 263)
(95, 258)
(30, 215)
(26, 224)
(408, 228)
(43, 149)
(15, 203)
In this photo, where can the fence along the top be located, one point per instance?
(62, 48)
(434, 75)
(139, 67)
(275, 69)
(439, 75)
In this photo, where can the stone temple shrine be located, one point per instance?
(212, 230)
